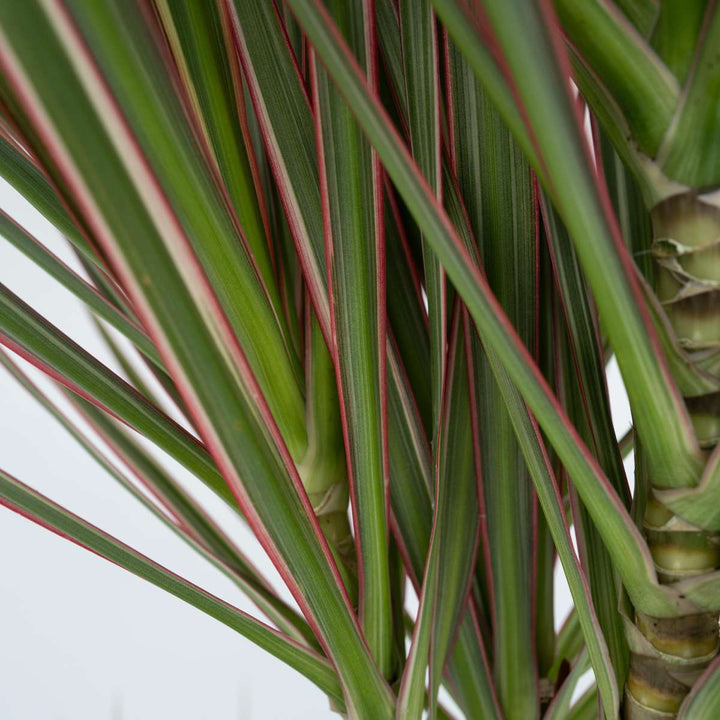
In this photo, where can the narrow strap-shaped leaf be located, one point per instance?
(279, 98)
(286, 124)
(586, 706)
(418, 35)
(628, 547)
(484, 65)
(643, 14)
(388, 30)
(411, 485)
(129, 370)
(640, 83)
(675, 33)
(140, 75)
(496, 179)
(450, 561)
(628, 198)
(702, 590)
(642, 86)
(51, 264)
(586, 353)
(689, 153)
(597, 561)
(283, 111)
(568, 645)
(22, 172)
(540, 76)
(263, 55)
(407, 316)
(558, 708)
(229, 560)
(39, 509)
(350, 178)
(26, 332)
(609, 116)
(469, 672)
(197, 35)
(192, 334)
(699, 505)
(196, 522)
(410, 494)
(591, 409)
(324, 469)
(545, 556)
(528, 435)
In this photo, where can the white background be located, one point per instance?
(82, 639)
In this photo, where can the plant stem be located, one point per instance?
(686, 248)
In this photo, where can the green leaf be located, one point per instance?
(85, 292)
(484, 64)
(469, 672)
(544, 552)
(324, 468)
(675, 33)
(558, 708)
(641, 85)
(450, 560)
(199, 36)
(568, 645)
(494, 177)
(589, 407)
(407, 317)
(698, 505)
(283, 112)
(122, 357)
(26, 332)
(165, 281)
(689, 152)
(39, 509)
(410, 493)
(643, 14)
(541, 472)
(23, 173)
(196, 522)
(285, 120)
(541, 82)
(351, 194)
(206, 538)
(586, 707)
(619, 532)
(124, 48)
(608, 115)
(419, 43)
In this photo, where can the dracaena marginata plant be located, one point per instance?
(379, 254)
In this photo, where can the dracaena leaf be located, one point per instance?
(39, 509)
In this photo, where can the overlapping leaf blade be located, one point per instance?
(122, 200)
(420, 56)
(540, 78)
(187, 520)
(589, 406)
(494, 177)
(285, 127)
(351, 194)
(451, 556)
(619, 533)
(85, 292)
(27, 502)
